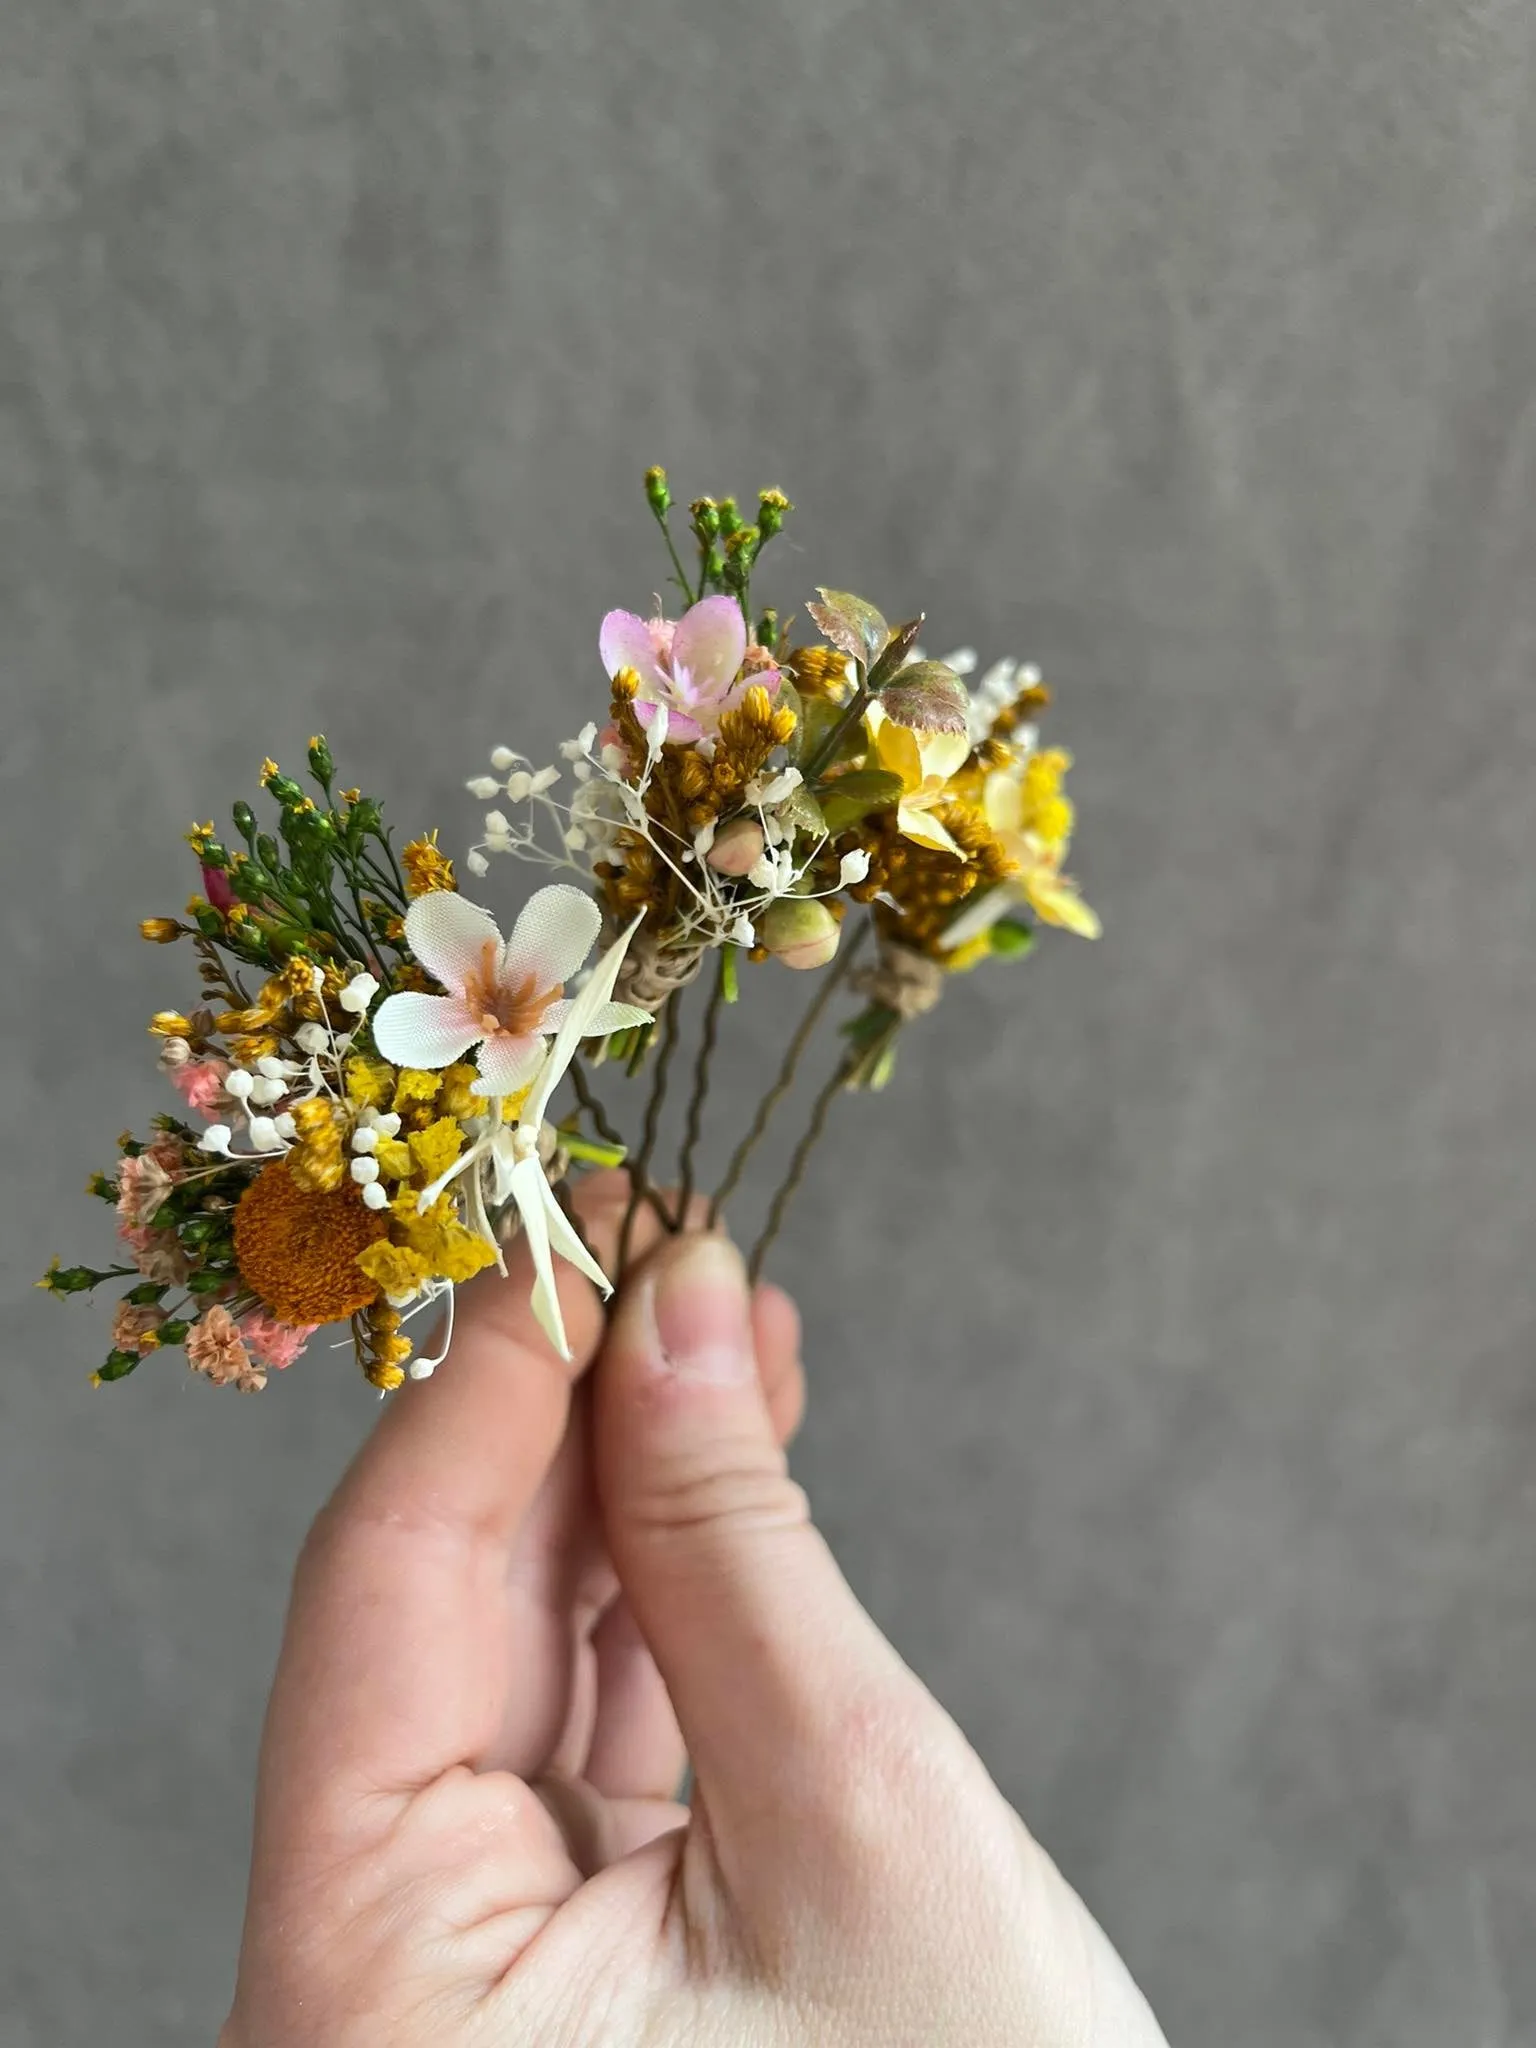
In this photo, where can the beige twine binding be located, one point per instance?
(650, 973)
(903, 979)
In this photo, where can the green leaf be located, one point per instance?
(903, 639)
(851, 624)
(854, 795)
(872, 1038)
(804, 812)
(927, 696)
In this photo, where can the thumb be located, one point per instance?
(764, 1649)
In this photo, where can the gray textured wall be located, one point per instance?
(1190, 347)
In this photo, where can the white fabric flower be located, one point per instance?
(504, 996)
(510, 1157)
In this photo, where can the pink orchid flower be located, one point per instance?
(689, 664)
(505, 996)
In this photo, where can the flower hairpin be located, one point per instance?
(368, 1078)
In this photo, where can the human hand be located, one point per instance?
(465, 1829)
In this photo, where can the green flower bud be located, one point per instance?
(658, 495)
(149, 1295)
(70, 1279)
(321, 765)
(730, 517)
(117, 1365)
(206, 1283)
(706, 518)
(174, 1332)
(740, 553)
(768, 630)
(1011, 940)
(771, 508)
(245, 819)
(799, 931)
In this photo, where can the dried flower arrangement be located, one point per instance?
(368, 1080)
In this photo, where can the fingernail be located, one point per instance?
(703, 1322)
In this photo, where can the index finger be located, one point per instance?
(389, 1672)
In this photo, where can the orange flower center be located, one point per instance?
(298, 1247)
(516, 1012)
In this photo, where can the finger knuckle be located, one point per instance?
(749, 1493)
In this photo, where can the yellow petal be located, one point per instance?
(897, 751)
(921, 825)
(1057, 901)
(1003, 802)
(943, 754)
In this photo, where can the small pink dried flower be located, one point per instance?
(215, 1349)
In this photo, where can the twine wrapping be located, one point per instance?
(902, 979)
(650, 973)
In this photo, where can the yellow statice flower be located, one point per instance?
(448, 1248)
(434, 1150)
(1044, 809)
(927, 763)
(454, 1097)
(370, 1083)
(414, 1085)
(395, 1269)
(394, 1157)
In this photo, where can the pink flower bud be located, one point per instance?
(216, 887)
(738, 847)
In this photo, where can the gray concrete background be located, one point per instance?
(1189, 347)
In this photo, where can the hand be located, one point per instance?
(466, 1832)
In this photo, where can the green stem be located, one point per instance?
(677, 563)
(830, 983)
(827, 751)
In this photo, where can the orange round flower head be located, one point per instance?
(298, 1247)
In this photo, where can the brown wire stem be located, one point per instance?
(604, 1125)
(709, 1033)
(833, 1086)
(830, 983)
(640, 1188)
